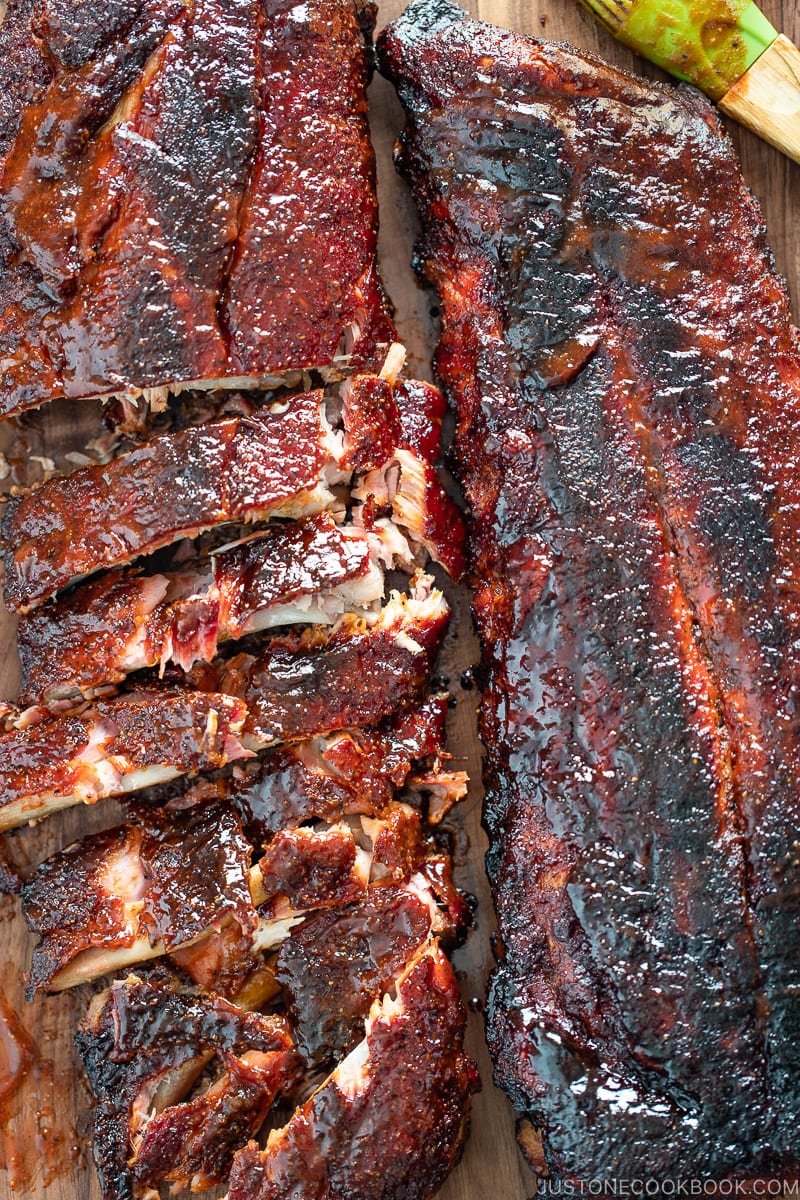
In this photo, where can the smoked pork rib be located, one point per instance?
(308, 224)
(144, 1041)
(125, 620)
(189, 196)
(627, 381)
(137, 892)
(240, 469)
(388, 1123)
(356, 674)
(115, 746)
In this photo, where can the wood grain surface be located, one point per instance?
(47, 1126)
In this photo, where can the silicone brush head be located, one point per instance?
(710, 43)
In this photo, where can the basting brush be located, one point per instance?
(727, 48)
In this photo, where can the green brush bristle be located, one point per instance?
(613, 13)
(710, 43)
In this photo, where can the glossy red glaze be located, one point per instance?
(166, 881)
(180, 206)
(407, 1106)
(105, 515)
(124, 620)
(626, 376)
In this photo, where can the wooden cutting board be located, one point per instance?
(46, 1127)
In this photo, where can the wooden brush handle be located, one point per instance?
(767, 97)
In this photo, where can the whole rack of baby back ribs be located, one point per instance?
(224, 618)
(626, 374)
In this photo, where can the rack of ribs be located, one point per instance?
(207, 622)
(627, 383)
(141, 158)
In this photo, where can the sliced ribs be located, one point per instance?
(189, 207)
(115, 746)
(182, 884)
(189, 196)
(143, 1046)
(399, 1100)
(299, 687)
(122, 621)
(276, 463)
(281, 461)
(351, 772)
(627, 381)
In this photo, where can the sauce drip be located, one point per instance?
(34, 1146)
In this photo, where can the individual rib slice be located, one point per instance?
(113, 747)
(274, 463)
(143, 1045)
(299, 687)
(627, 381)
(392, 441)
(174, 882)
(149, 251)
(339, 961)
(390, 1120)
(312, 254)
(123, 621)
(314, 682)
(136, 892)
(354, 771)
